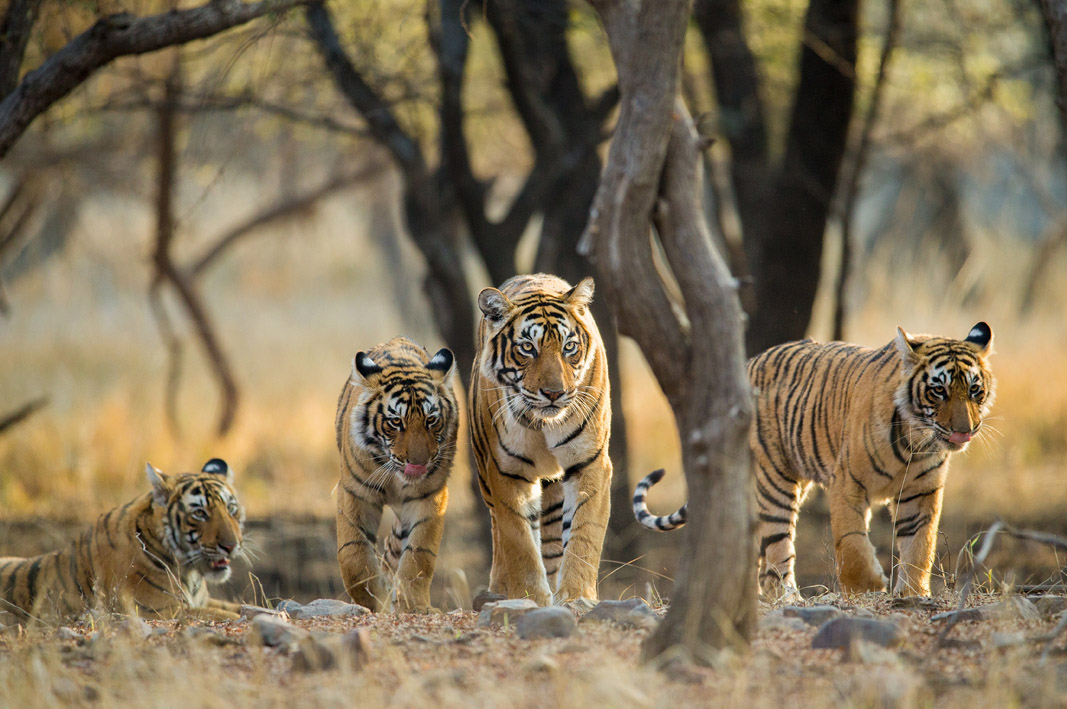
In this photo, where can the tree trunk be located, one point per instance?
(713, 602)
(785, 247)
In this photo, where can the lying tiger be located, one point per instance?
(873, 426)
(154, 555)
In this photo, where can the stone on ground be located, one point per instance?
(500, 613)
(842, 632)
(551, 622)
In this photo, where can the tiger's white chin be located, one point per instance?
(218, 575)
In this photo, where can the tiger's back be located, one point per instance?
(148, 556)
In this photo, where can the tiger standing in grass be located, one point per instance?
(540, 422)
(154, 555)
(396, 432)
(873, 426)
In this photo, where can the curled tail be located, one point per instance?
(663, 524)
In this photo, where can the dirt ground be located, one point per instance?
(447, 659)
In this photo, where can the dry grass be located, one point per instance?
(446, 660)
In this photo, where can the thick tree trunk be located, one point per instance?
(785, 248)
(713, 602)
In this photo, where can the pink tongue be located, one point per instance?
(417, 470)
(959, 437)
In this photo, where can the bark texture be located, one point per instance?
(653, 179)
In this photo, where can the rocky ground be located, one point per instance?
(871, 650)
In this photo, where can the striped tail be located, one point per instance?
(663, 524)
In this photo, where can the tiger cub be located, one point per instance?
(396, 432)
(873, 426)
(540, 411)
(153, 555)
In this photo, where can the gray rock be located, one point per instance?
(487, 597)
(967, 614)
(631, 613)
(314, 654)
(579, 606)
(288, 606)
(1050, 606)
(135, 627)
(65, 633)
(551, 622)
(207, 636)
(327, 607)
(842, 632)
(249, 612)
(776, 621)
(500, 613)
(913, 603)
(1012, 608)
(812, 615)
(274, 632)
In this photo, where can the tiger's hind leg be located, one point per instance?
(778, 500)
(552, 529)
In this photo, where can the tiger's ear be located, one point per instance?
(494, 305)
(906, 345)
(582, 294)
(442, 362)
(363, 368)
(982, 336)
(218, 466)
(160, 484)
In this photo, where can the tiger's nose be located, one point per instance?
(227, 547)
(552, 394)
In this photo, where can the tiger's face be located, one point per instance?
(204, 520)
(948, 387)
(406, 419)
(539, 349)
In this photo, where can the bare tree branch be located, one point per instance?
(167, 272)
(858, 164)
(281, 211)
(117, 36)
(205, 103)
(15, 31)
(375, 111)
(22, 413)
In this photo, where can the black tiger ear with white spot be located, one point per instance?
(582, 294)
(218, 466)
(906, 345)
(363, 368)
(982, 336)
(441, 363)
(494, 305)
(160, 484)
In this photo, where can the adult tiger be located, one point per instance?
(153, 555)
(874, 426)
(540, 421)
(396, 432)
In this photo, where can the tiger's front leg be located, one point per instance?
(358, 516)
(858, 569)
(916, 522)
(518, 571)
(423, 523)
(586, 507)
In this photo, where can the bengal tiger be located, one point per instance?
(873, 426)
(540, 412)
(396, 432)
(154, 555)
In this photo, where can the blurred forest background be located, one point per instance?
(196, 241)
